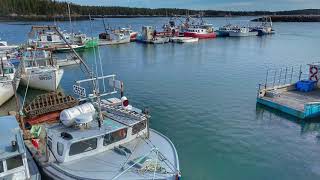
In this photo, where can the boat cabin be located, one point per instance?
(85, 138)
(50, 38)
(13, 158)
(33, 58)
(207, 28)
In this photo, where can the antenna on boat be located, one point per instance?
(96, 88)
(70, 22)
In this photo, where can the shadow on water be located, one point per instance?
(311, 125)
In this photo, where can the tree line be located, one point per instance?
(58, 8)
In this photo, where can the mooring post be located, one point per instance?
(300, 73)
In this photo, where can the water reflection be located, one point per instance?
(307, 127)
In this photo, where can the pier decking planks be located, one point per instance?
(293, 102)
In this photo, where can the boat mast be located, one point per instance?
(70, 22)
(104, 25)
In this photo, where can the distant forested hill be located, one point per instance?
(52, 8)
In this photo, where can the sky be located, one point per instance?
(242, 5)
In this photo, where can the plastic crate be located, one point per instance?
(306, 85)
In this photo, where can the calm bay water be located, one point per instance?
(203, 97)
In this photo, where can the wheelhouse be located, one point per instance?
(13, 160)
(68, 144)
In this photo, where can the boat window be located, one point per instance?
(60, 148)
(1, 167)
(49, 38)
(8, 71)
(138, 127)
(14, 162)
(114, 137)
(83, 146)
(1, 44)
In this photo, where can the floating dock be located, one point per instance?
(280, 91)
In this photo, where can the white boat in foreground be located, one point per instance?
(184, 39)
(16, 161)
(40, 73)
(7, 77)
(114, 143)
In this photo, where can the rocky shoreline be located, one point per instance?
(293, 18)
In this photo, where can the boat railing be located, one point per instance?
(105, 86)
(284, 76)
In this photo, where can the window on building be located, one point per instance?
(139, 127)
(60, 148)
(14, 162)
(83, 146)
(114, 137)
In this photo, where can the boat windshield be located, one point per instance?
(114, 137)
(14, 162)
(139, 127)
(83, 146)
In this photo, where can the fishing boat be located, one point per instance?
(265, 28)
(114, 38)
(150, 35)
(104, 138)
(16, 161)
(198, 28)
(243, 32)
(128, 30)
(225, 30)
(39, 70)
(184, 39)
(204, 31)
(5, 47)
(8, 82)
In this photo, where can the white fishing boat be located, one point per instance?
(225, 30)
(39, 71)
(113, 38)
(265, 28)
(7, 78)
(5, 47)
(243, 32)
(184, 39)
(149, 35)
(16, 161)
(104, 139)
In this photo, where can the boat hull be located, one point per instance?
(43, 79)
(6, 92)
(184, 40)
(200, 35)
(240, 34)
(113, 42)
(133, 36)
(93, 169)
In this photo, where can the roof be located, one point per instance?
(10, 131)
(109, 126)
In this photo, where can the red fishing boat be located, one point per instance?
(204, 31)
(198, 28)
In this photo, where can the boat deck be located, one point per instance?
(102, 168)
(294, 103)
